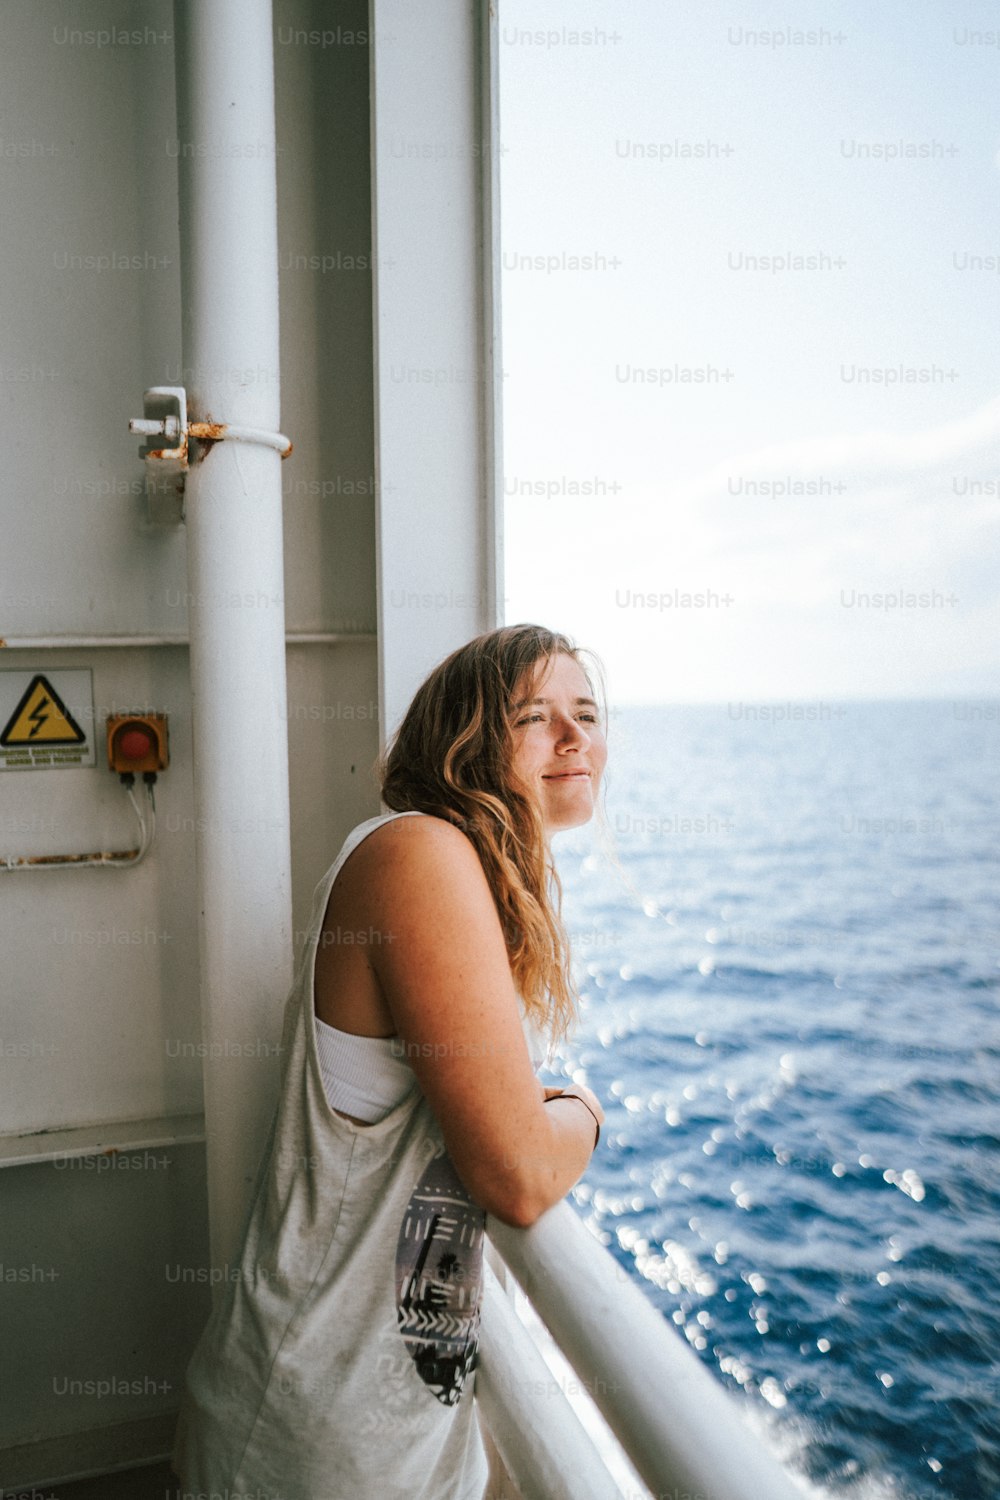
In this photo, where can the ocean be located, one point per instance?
(788, 972)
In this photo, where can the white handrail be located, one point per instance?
(682, 1432)
(544, 1446)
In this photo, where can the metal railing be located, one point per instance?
(679, 1428)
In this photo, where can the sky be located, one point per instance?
(750, 288)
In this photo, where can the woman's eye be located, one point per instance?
(529, 719)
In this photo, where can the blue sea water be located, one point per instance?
(789, 989)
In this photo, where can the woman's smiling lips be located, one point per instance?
(565, 775)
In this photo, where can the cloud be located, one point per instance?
(970, 439)
(802, 519)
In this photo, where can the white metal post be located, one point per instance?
(435, 276)
(228, 223)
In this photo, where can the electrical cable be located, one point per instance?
(120, 861)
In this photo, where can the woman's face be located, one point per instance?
(559, 744)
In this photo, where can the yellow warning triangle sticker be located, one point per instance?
(41, 718)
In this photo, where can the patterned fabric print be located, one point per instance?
(439, 1278)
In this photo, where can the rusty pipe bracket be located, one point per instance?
(165, 419)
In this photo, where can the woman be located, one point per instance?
(337, 1362)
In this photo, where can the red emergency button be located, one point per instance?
(137, 742)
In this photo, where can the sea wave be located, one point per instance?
(791, 1027)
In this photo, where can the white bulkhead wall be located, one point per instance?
(100, 1024)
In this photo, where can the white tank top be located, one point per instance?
(339, 1361)
(365, 1076)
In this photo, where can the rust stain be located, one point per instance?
(2, 641)
(71, 859)
(200, 432)
(178, 454)
(205, 433)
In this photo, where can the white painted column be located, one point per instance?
(228, 221)
(436, 276)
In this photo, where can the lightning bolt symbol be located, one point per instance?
(38, 717)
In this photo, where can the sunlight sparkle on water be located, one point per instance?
(730, 1365)
(772, 1392)
(908, 1182)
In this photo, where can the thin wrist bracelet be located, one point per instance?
(568, 1094)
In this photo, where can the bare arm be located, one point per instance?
(442, 966)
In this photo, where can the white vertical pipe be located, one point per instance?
(229, 265)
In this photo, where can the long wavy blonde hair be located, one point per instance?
(452, 756)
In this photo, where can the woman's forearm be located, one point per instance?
(548, 1168)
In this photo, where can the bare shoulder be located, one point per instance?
(417, 870)
(417, 828)
(414, 845)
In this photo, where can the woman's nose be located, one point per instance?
(572, 733)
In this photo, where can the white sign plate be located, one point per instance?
(46, 719)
